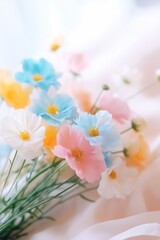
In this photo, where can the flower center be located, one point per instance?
(37, 77)
(93, 132)
(52, 109)
(77, 154)
(25, 136)
(113, 175)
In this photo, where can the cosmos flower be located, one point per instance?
(24, 132)
(54, 110)
(99, 130)
(15, 94)
(77, 62)
(136, 150)
(86, 160)
(39, 74)
(116, 106)
(117, 181)
(127, 75)
(50, 141)
(82, 97)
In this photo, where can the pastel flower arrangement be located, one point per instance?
(45, 133)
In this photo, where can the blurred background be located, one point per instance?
(112, 31)
(117, 35)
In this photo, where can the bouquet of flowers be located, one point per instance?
(55, 146)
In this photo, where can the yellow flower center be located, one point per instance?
(37, 77)
(52, 109)
(55, 46)
(113, 175)
(93, 132)
(25, 136)
(77, 154)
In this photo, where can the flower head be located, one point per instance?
(23, 131)
(39, 74)
(127, 75)
(116, 106)
(82, 97)
(77, 62)
(12, 92)
(86, 160)
(136, 150)
(117, 181)
(99, 129)
(54, 110)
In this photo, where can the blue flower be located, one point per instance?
(99, 130)
(108, 159)
(39, 74)
(55, 110)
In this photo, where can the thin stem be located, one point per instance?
(126, 130)
(19, 214)
(148, 87)
(95, 103)
(121, 151)
(18, 174)
(8, 175)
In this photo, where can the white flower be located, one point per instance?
(5, 110)
(117, 181)
(127, 75)
(23, 131)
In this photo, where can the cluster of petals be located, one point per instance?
(116, 106)
(86, 160)
(99, 129)
(117, 181)
(24, 132)
(38, 74)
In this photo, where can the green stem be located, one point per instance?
(126, 130)
(18, 174)
(8, 175)
(95, 103)
(148, 87)
(19, 214)
(121, 151)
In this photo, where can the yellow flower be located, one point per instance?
(50, 140)
(83, 97)
(57, 43)
(136, 151)
(12, 92)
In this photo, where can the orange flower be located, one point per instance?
(50, 140)
(136, 151)
(12, 92)
(83, 98)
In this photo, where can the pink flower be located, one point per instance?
(77, 62)
(116, 106)
(86, 160)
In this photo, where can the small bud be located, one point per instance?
(138, 124)
(105, 87)
(126, 81)
(125, 152)
(135, 126)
